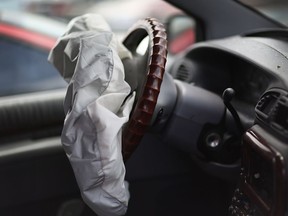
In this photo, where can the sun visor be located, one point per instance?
(97, 104)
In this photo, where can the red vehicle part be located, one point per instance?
(30, 37)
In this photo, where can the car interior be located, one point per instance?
(216, 139)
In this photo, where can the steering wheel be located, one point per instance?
(144, 73)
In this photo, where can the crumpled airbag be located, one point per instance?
(97, 105)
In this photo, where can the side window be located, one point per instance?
(24, 69)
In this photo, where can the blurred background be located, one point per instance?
(29, 29)
(120, 14)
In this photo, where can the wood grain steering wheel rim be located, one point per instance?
(149, 69)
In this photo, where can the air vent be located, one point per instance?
(184, 71)
(267, 103)
(272, 110)
(280, 115)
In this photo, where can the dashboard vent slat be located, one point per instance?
(266, 104)
(183, 73)
(272, 110)
(280, 115)
(184, 70)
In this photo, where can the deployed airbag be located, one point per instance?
(97, 105)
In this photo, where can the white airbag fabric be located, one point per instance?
(89, 57)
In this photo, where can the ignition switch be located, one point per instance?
(213, 140)
(219, 146)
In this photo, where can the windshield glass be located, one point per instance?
(274, 9)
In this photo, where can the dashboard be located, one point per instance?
(249, 65)
(254, 66)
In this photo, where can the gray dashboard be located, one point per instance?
(250, 64)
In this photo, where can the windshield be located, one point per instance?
(274, 9)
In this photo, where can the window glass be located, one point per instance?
(25, 69)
